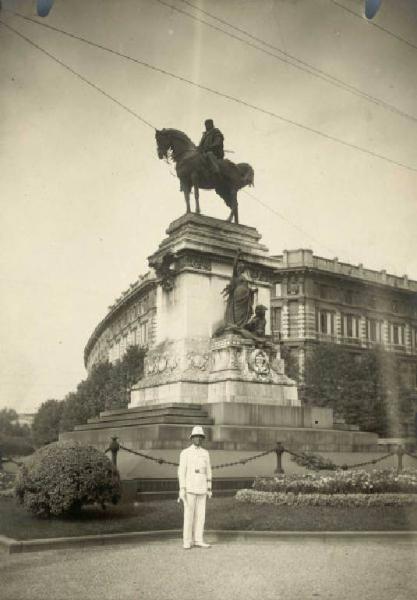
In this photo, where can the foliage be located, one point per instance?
(64, 476)
(6, 481)
(314, 462)
(106, 387)
(356, 481)
(13, 445)
(366, 390)
(340, 500)
(10, 426)
(45, 428)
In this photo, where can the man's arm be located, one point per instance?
(209, 476)
(182, 470)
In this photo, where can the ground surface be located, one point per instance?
(339, 569)
(222, 513)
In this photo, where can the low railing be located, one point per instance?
(279, 450)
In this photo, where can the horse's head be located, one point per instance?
(247, 173)
(163, 143)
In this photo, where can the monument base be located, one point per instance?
(225, 369)
(234, 431)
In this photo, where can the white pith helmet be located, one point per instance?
(197, 430)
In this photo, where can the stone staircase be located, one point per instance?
(172, 414)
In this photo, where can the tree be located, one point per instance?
(9, 424)
(365, 389)
(106, 387)
(45, 426)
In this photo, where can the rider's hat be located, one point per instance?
(197, 430)
(208, 122)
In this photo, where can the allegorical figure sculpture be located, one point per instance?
(257, 324)
(238, 317)
(239, 307)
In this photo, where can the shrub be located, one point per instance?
(12, 445)
(64, 476)
(6, 481)
(314, 462)
(342, 482)
(342, 500)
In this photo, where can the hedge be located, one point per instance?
(63, 476)
(343, 500)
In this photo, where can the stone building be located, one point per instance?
(131, 321)
(315, 300)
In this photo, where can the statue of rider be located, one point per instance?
(211, 145)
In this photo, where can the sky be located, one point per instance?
(84, 198)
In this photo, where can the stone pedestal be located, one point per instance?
(194, 264)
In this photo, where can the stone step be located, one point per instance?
(144, 409)
(157, 420)
(183, 412)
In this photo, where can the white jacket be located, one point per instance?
(194, 471)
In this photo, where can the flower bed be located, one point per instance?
(357, 481)
(342, 500)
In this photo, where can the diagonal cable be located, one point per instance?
(264, 111)
(303, 66)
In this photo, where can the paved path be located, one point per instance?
(292, 569)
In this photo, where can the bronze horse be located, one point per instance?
(193, 171)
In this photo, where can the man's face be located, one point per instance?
(197, 440)
(209, 125)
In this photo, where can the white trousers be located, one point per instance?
(194, 517)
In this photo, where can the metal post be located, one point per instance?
(400, 453)
(114, 449)
(279, 450)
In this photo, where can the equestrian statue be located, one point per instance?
(204, 166)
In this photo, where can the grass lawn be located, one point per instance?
(222, 513)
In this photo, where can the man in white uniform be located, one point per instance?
(194, 474)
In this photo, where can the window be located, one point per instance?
(278, 290)
(276, 319)
(144, 333)
(325, 322)
(123, 345)
(396, 334)
(350, 326)
(293, 319)
(374, 330)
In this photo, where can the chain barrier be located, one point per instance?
(162, 461)
(243, 461)
(279, 449)
(345, 466)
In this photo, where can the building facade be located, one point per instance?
(314, 300)
(131, 321)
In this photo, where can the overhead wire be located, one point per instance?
(306, 68)
(371, 23)
(283, 218)
(234, 99)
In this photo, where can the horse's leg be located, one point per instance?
(194, 180)
(186, 188)
(236, 212)
(230, 217)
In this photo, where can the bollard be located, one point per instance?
(279, 450)
(400, 453)
(114, 449)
